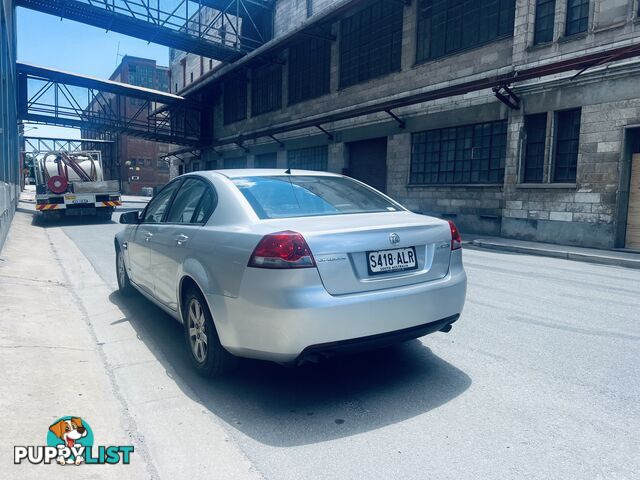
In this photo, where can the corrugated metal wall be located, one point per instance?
(9, 146)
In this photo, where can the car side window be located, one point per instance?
(158, 205)
(205, 207)
(186, 207)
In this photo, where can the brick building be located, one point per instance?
(141, 162)
(550, 160)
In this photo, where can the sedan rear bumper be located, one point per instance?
(281, 315)
(330, 349)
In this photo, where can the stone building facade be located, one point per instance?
(556, 169)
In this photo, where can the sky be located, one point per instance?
(47, 41)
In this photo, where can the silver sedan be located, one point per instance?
(289, 266)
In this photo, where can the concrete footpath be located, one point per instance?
(68, 349)
(589, 255)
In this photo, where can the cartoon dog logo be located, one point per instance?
(69, 431)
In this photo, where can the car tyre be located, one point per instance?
(105, 214)
(124, 284)
(207, 354)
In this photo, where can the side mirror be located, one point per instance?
(130, 218)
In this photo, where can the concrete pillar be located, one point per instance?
(561, 19)
(335, 59)
(515, 131)
(523, 30)
(282, 159)
(337, 160)
(249, 77)
(250, 160)
(285, 80)
(409, 37)
(398, 165)
(173, 168)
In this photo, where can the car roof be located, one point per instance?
(264, 172)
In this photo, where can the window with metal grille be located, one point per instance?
(567, 145)
(460, 155)
(235, 98)
(371, 42)
(449, 26)
(545, 16)
(266, 89)
(142, 76)
(536, 134)
(577, 17)
(313, 158)
(266, 160)
(235, 162)
(162, 80)
(309, 69)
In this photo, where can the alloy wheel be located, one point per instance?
(197, 331)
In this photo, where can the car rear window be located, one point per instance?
(307, 195)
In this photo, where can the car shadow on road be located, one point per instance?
(38, 221)
(285, 407)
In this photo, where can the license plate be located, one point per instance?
(75, 200)
(396, 260)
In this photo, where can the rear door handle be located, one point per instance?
(181, 239)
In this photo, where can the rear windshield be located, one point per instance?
(305, 196)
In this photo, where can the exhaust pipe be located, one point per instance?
(446, 328)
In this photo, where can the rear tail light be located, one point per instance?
(456, 240)
(282, 250)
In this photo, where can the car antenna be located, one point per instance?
(288, 172)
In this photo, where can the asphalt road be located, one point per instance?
(540, 378)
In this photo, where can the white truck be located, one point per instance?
(73, 184)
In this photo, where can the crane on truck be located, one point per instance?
(73, 184)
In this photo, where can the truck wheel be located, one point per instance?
(208, 356)
(105, 213)
(124, 284)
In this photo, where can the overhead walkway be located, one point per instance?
(36, 145)
(65, 99)
(234, 28)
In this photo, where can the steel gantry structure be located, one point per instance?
(220, 29)
(59, 98)
(36, 145)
